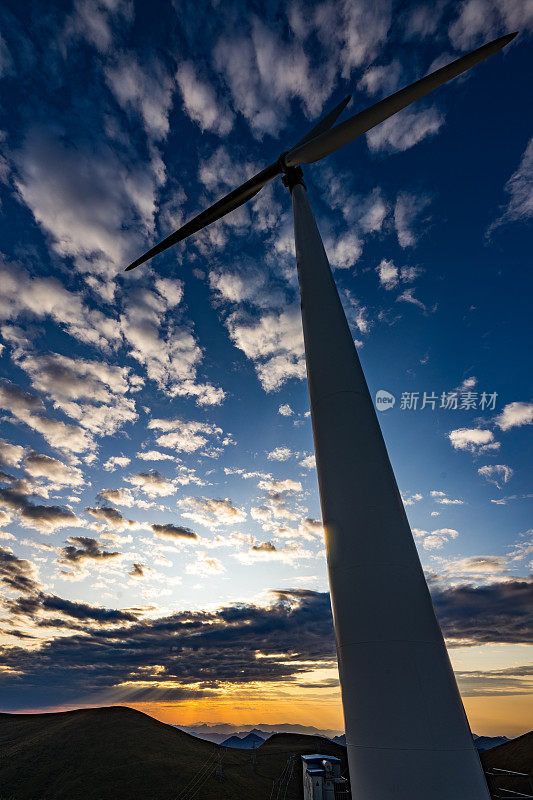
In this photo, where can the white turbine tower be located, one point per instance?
(407, 734)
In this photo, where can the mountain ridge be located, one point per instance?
(128, 754)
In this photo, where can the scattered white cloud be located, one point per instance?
(468, 384)
(144, 90)
(10, 454)
(266, 551)
(284, 485)
(152, 483)
(412, 499)
(119, 497)
(422, 21)
(154, 455)
(5, 518)
(388, 274)
(404, 130)
(264, 73)
(91, 392)
(519, 187)
(356, 313)
(444, 500)
(435, 540)
(408, 297)
(96, 21)
(344, 250)
(382, 79)
(205, 565)
(185, 437)
(45, 519)
(40, 298)
(200, 101)
(514, 415)
(171, 360)
(482, 567)
(273, 341)
(407, 211)
(476, 440)
(84, 210)
(116, 461)
(211, 513)
(309, 462)
(479, 21)
(352, 33)
(280, 454)
(285, 410)
(59, 474)
(27, 408)
(496, 473)
(278, 504)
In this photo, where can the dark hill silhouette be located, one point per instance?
(299, 743)
(118, 753)
(516, 755)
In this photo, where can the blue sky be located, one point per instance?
(158, 477)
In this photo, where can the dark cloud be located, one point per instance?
(211, 648)
(5, 477)
(15, 400)
(264, 547)
(207, 648)
(499, 612)
(84, 548)
(17, 573)
(108, 514)
(173, 531)
(496, 682)
(327, 683)
(42, 518)
(137, 571)
(30, 606)
(112, 517)
(38, 465)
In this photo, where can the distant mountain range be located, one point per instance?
(488, 742)
(220, 732)
(229, 736)
(251, 741)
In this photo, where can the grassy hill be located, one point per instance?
(516, 755)
(118, 753)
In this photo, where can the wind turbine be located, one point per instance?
(407, 734)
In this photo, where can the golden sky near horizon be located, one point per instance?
(507, 714)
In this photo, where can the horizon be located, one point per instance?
(161, 544)
(239, 727)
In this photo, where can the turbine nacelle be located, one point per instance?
(325, 138)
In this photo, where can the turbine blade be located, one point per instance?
(325, 123)
(355, 126)
(219, 209)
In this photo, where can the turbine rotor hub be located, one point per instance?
(292, 177)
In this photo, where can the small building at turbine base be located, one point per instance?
(322, 778)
